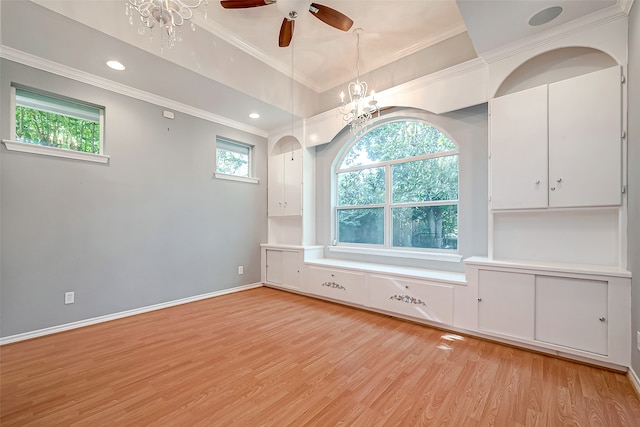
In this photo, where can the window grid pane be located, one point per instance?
(410, 185)
(434, 227)
(363, 187)
(364, 225)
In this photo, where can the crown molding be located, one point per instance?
(400, 54)
(231, 38)
(447, 73)
(610, 14)
(417, 47)
(225, 34)
(625, 5)
(30, 60)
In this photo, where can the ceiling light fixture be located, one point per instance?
(360, 109)
(170, 15)
(115, 65)
(254, 115)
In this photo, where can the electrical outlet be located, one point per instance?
(240, 269)
(638, 340)
(69, 297)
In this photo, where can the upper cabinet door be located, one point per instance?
(585, 140)
(519, 150)
(276, 185)
(293, 183)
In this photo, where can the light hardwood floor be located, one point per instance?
(267, 357)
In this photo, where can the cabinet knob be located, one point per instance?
(559, 180)
(479, 299)
(285, 204)
(280, 203)
(553, 188)
(602, 319)
(333, 275)
(537, 181)
(406, 286)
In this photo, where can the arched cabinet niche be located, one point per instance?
(285, 192)
(285, 178)
(556, 143)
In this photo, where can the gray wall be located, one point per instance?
(468, 128)
(150, 226)
(633, 236)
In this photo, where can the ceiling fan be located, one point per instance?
(290, 10)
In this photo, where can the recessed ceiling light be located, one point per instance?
(545, 16)
(254, 115)
(115, 65)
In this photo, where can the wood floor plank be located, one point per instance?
(264, 357)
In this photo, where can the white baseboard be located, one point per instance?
(635, 380)
(119, 315)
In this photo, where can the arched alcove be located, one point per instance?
(553, 66)
(286, 144)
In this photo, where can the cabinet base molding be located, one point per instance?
(635, 380)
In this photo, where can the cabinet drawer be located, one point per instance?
(412, 298)
(337, 284)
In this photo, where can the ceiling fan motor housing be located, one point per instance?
(292, 9)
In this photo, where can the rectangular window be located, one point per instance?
(233, 158)
(52, 121)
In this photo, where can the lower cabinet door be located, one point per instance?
(572, 313)
(422, 300)
(291, 269)
(506, 303)
(274, 266)
(340, 285)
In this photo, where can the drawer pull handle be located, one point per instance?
(602, 319)
(334, 285)
(479, 299)
(408, 299)
(333, 275)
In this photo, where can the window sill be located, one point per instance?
(250, 180)
(25, 147)
(397, 253)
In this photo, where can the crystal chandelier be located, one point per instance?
(360, 108)
(170, 15)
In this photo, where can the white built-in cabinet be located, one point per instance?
(285, 182)
(558, 145)
(567, 310)
(282, 267)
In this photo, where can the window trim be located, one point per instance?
(26, 147)
(251, 178)
(387, 248)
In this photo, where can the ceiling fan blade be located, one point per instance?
(243, 4)
(331, 16)
(286, 32)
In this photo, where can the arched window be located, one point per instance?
(397, 187)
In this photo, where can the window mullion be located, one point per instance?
(387, 210)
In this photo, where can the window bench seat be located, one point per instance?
(406, 272)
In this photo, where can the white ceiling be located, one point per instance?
(236, 51)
